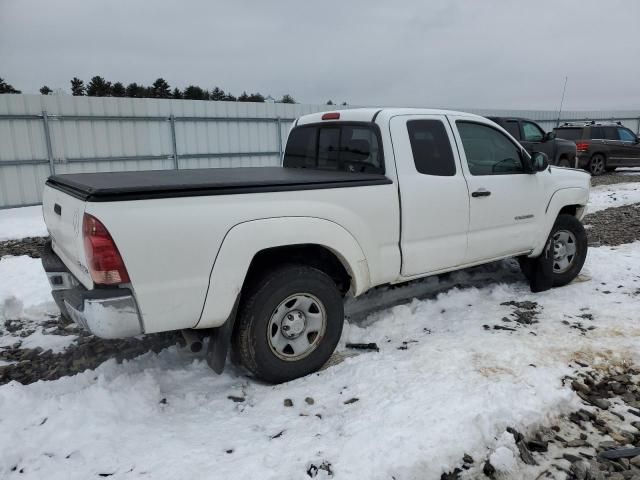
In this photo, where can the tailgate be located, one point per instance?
(63, 216)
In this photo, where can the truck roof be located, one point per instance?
(369, 114)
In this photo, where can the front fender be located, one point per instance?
(245, 240)
(560, 199)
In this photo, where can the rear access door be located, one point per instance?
(433, 194)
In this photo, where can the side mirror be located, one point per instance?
(539, 161)
(549, 136)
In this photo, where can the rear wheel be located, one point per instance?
(569, 244)
(289, 323)
(564, 162)
(597, 164)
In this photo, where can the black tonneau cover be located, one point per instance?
(119, 186)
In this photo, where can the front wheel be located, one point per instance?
(569, 245)
(289, 323)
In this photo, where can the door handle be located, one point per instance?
(481, 193)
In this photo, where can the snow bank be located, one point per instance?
(617, 195)
(442, 385)
(25, 294)
(16, 223)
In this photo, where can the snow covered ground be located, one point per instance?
(445, 382)
(452, 388)
(22, 222)
(616, 195)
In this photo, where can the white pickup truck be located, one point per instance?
(260, 259)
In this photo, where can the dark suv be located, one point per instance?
(602, 146)
(532, 137)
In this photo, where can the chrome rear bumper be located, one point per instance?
(114, 317)
(105, 312)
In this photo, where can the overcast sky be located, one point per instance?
(444, 53)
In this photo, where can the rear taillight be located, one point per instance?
(582, 147)
(103, 258)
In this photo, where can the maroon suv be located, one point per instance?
(602, 146)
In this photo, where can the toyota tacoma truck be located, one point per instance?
(260, 259)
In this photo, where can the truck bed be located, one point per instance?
(121, 186)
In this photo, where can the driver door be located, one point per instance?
(506, 202)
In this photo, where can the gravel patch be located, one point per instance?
(613, 178)
(601, 440)
(614, 226)
(28, 365)
(30, 246)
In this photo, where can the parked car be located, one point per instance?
(261, 258)
(602, 146)
(531, 136)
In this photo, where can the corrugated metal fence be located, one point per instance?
(41, 135)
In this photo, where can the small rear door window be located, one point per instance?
(431, 148)
(596, 133)
(610, 133)
(569, 133)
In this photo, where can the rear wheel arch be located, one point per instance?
(250, 246)
(316, 256)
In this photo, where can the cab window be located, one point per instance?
(338, 146)
(532, 133)
(489, 151)
(626, 135)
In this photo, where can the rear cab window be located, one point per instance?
(341, 146)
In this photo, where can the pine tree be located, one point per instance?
(177, 94)
(134, 90)
(45, 90)
(99, 87)
(118, 90)
(217, 94)
(161, 89)
(228, 97)
(77, 87)
(256, 97)
(193, 92)
(344, 104)
(6, 88)
(286, 98)
(243, 97)
(329, 102)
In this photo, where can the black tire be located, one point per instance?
(261, 300)
(597, 164)
(569, 223)
(564, 162)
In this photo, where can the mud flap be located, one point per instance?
(219, 342)
(540, 274)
